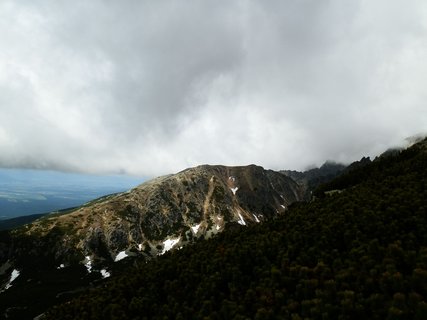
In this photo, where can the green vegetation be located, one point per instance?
(218, 194)
(361, 253)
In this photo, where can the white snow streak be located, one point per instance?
(283, 206)
(121, 255)
(15, 274)
(169, 244)
(234, 190)
(105, 273)
(256, 218)
(88, 264)
(241, 221)
(195, 228)
(140, 247)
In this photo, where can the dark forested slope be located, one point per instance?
(313, 178)
(361, 253)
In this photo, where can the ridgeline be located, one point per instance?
(359, 252)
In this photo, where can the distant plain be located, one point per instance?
(25, 191)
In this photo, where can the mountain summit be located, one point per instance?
(165, 212)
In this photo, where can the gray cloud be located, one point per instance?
(150, 87)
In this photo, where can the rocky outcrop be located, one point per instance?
(168, 211)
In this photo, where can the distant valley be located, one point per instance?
(28, 192)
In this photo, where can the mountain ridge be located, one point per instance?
(360, 253)
(165, 212)
(44, 252)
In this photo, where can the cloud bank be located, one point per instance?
(153, 87)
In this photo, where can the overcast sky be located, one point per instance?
(153, 87)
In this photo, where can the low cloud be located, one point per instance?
(149, 88)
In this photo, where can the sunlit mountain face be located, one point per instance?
(25, 192)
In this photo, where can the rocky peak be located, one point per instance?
(167, 212)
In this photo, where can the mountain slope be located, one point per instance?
(311, 179)
(194, 202)
(381, 167)
(356, 254)
(66, 251)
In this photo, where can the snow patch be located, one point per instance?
(140, 247)
(169, 244)
(88, 264)
(121, 255)
(15, 274)
(217, 227)
(105, 274)
(256, 218)
(241, 221)
(232, 178)
(195, 228)
(219, 217)
(234, 190)
(61, 266)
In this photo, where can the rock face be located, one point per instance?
(166, 212)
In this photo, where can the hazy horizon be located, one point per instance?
(26, 191)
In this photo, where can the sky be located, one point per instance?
(153, 87)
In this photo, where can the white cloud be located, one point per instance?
(153, 87)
